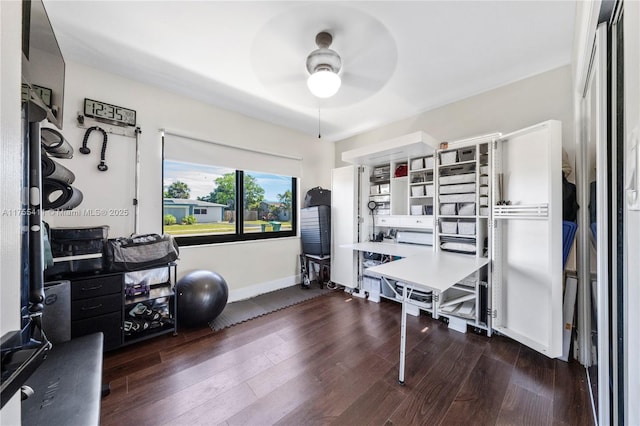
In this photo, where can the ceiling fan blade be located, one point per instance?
(361, 81)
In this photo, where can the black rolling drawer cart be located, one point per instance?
(99, 303)
(96, 305)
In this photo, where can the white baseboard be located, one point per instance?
(261, 288)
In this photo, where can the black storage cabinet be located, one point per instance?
(315, 227)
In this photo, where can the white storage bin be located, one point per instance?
(466, 228)
(374, 189)
(458, 188)
(429, 190)
(417, 164)
(384, 188)
(484, 180)
(448, 157)
(484, 190)
(371, 284)
(458, 198)
(467, 209)
(417, 210)
(428, 163)
(484, 170)
(484, 211)
(463, 178)
(448, 227)
(383, 211)
(484, 201)
(448, 209)
(417, 191)
(382, 170)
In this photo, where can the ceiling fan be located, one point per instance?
(340, 40)
(323, 65)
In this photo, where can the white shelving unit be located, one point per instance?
(463, 189)
(498, 198)
(421, 186)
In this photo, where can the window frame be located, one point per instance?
(239, 235)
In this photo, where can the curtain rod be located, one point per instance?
(257, 151)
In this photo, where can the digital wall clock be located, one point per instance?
(109, 113)
(44, 93)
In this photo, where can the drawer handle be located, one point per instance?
(99, 286)
(91, 308)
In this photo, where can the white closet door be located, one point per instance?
(344, 224)
(527, 284)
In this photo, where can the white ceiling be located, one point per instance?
(399, 58)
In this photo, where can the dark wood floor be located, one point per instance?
(334, 360)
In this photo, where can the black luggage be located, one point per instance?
(317, 197)
(315, 230)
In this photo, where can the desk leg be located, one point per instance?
(403, 335)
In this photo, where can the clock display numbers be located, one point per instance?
(110, 113)
(44, 93)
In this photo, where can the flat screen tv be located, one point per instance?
(43, 66)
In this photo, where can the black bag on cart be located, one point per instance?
(317, 197)
(140, 252)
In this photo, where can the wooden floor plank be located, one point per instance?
(480, 398)
(503, 349)
(139, 382)
(339, 388)
(334, 360)
(437, 390)
(373, 406)
(535, 372)
(571, 405)
(523, 407)
(216, 409)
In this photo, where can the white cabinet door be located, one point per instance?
(527, 249)
(345, 214)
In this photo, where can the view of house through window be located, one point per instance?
(202, 200)
(267, 202)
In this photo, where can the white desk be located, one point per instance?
(423, 269)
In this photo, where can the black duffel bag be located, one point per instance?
(140, 252)
(317, 197)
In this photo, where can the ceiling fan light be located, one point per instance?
(324, 83)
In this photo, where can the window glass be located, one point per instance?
(268, 202)
(205, 204)
(198, 199)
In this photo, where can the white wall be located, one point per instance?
(247, 267)
(10, 181)
(539, 98)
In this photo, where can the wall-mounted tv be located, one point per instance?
(43, 66)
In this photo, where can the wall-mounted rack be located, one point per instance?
(85, 122)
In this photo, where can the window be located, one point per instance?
(207, 204)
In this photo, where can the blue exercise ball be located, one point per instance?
(202, 296)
